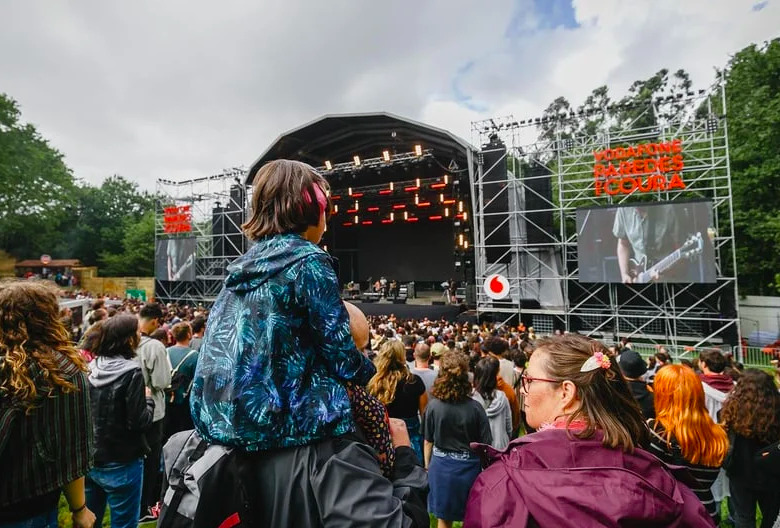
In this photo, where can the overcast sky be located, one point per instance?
(184, 88)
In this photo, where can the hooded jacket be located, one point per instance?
(499, 416)
(548, 479)
(277, 351)
(120, 411)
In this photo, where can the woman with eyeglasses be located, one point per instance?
(585, 466)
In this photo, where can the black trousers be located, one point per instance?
(745, 499)
(152, 490)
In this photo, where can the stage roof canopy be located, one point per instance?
(339, 137)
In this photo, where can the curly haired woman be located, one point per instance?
(452, 422)
(751, 415)
(45, 425)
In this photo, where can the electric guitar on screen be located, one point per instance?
(690, 249)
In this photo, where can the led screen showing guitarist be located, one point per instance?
(654, 242)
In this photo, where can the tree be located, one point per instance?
(137, 256)
(36, 187)
(753, 104)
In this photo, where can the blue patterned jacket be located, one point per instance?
(276, 351)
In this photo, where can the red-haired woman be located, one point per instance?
(683, 432)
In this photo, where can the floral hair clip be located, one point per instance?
(597, 360)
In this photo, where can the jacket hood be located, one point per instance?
(105, 371)
(720, 382)
(494, 406)
(268, 257)
(564, 482)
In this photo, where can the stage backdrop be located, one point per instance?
(657, 241)
(175, 259)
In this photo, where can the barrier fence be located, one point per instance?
(751, 357)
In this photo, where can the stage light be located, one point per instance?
(350, 211)
(335, 197)
(406, 215)
(448, 202)
(357, 161)
(386, 221)
(347, 224)
(357, 205)
(447, 212)
(386, 191)
(416, 199)
(417, 182)
(465, 216)
(356, 219)
(441, 198)
(424, 204)
(460, 239)
(418, 150)
(328, 165)
(392, 187)
(386, 155)
(435, 217)
(392, 216)
(366, 222)
(446, 179)
(400, 206)
(349, 191)
(410, 189)
(465, 244)
(372, 209)
(413, 219)
(460, 207)
(336, 208)
(438, 186)
(357, 195)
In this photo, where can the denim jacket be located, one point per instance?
(277, 351)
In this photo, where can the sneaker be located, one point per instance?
(152, 513)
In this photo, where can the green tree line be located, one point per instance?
(44, 209)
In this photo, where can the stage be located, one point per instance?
(410, 311)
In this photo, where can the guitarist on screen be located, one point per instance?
(646, 234)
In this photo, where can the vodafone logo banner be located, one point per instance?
(496, 286)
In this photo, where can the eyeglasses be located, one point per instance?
(526, 380)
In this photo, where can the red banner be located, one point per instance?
(646, 167)
(177, 219)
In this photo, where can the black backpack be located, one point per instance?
(195, 469)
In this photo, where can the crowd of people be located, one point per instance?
(344, 420)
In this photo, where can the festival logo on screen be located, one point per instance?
(177, 219)
(646, 167)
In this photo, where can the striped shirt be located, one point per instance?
(51, 446)
(671, 454)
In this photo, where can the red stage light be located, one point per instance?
(436, 217)
(411, 189)
(335, 197)
(386, 191)
(372, 209)
(386, 221)
(459, 216)
(448, 202)
(347, 224)
(399, 207)
(366, 222)
(424, 204)
(413, 219)
(357, 195)
(350, 211)
(438, 185)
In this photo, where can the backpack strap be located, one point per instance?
(191, 352)
(7, 418)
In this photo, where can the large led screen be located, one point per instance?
(175, 259)
(647, 242)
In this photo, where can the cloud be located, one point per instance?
(181, 88)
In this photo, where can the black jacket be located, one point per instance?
(120, 411)
(644, 397)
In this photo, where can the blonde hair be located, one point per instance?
(32, 337)
(390, 369)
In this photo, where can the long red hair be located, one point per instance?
(680, 409)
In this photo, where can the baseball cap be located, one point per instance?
(437, 349)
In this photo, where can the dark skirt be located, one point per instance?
(450, 481)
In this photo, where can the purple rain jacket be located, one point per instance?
(549, 480)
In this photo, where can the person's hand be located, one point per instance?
(83, 519)
(399, 434)
(148, 392)
(627, 278)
